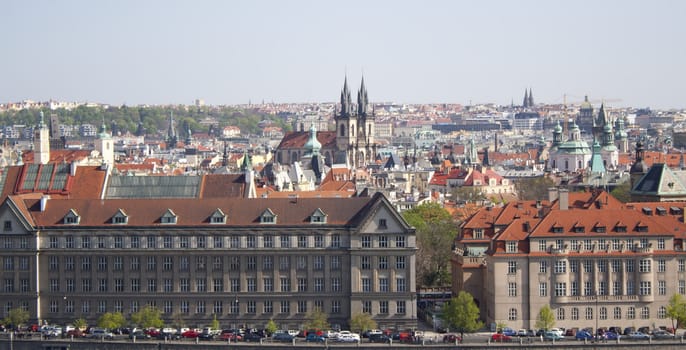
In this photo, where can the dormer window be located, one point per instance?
(268, 217)
(382, 224)
(511, 246)
(72, 218)
(579, 229)
(620, 228)
(120, 218)
(168, 218)
(218, 217)
(557, 229)
(318, 217)
(600, 229)
(641, 227)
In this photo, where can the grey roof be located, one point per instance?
(153, 187)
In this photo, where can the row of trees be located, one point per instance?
(153, 120)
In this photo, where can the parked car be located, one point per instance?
(99, 333)
(583, 335)
(612, 335)
(252, 337)
(509, 332)
(628, 330)
(191, 333)
(557, 331)
(500, 337)
(230, 334)
(521, 333)
(662, 334)
(451, 338)
(552, 336)
(76, 333)
(638, 335)
(283, 337)
(313, 337)
(379, 338)
(139, 334)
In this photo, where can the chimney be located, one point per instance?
(538, 204)
(552, 194)
(44, 202)
(73, 169)
(564, 199)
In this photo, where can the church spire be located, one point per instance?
(362, 100)
(525, 103)
(171, 132)
(346, 102)
(531, 98)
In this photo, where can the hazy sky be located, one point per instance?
(231, 52)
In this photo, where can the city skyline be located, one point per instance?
(159, 52)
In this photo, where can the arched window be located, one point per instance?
(645, 312)
(560, 314)
(512, 314)
(575, 313)
(603, 313)
(618, 313)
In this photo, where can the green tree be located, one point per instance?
(111, 320)
(676, 311)
(622, 192)
(215, 323)
(16, 317)
(468, 194)
(461, 313)
(436, 232)
(362, 322)
(148, 317)
(271, 327)
(317, 320)
(545, 319)
(535, 188)
(80, 323)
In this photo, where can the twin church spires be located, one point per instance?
(528, 99)
(346, 100)
(355, 127)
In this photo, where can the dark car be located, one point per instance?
(452, 338)
(139, 334)
(252, 337)
(313, 337)
(379, 338)
(206, 336)
(283, 337)
(612, 335)
(662, 334)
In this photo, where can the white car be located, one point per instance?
(99, 333)
(348, 336)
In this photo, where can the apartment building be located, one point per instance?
(595, 261)
(197, 248)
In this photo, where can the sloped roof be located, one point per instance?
(297, 139)
(153, 187)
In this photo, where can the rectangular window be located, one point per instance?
(661, 266)
(382, 224)
(251, 307)
(54, 285)
(285, 284)
(511, 247)
(201, 242)
(366, 241)
(217, 285)
(251, 241)
(184, 263)
(251, 263)
(400, 284)
(400, 241)
(318, 284)
(616, 288)
(574, 244)
(588, 244)
(135, 242)
(200, 285)
(588, 266)
(252, 284)
(383, 307)
(681, 265)
(319, 241)
(183, 242)
(616, 244)
(511, 267)
(602, 288)
(318, 262)
(69, 263)
(167, 242)
(335, 262)
(574, 288)
(69, 242)
(184, 285)
(301, 262)
(152, 242)
(616, 265)
(86, 263)
(630, 287)
(285, 307)
(367, 307)
(400, 307)
(661, 287)
(645, 288)
(218, 241)
(135, 263)
(383, 284)
(560, 289)
(366, 285)
(302, 284)
(512, 289)
(542, 245)
(53, 263)
(268, 284)
(152, 263)
(268, 241)
(302, 306)
(383, 241)
(284, 263)
(102, 263)
(336, 306)
(602, 266)
(302, 241)
(168, 285)
(383, 262)
(200, 307)
(399, 262)
(574, 266)
(267, 263)
(152, 285)
(365, 262)
(200, 263)
(543, 267)
(135, 285)
(588, 288)
(267, 307)
(24, 286)
(335, 241)
(235, 263)
(85, 242)
(629, 266)
(52, 243)
(285, 241)
(560, 266)
(336, 284)
(644, 265)
(168, 263)
(542, 289)
(682, 287)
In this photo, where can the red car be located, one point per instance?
(190, 334)
(230, 334)
(499, 337)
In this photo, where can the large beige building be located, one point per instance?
(77, 242)
(595, 261)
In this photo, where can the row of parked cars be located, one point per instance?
(611, 333)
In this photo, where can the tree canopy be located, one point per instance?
(676, 310)
(362, 322)
(111, 320)
(148, 317)
(16, 317)
(271, 327)
(535, 188)
(436, 232)
(461, 313)
(317, 319)
(545, 319)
